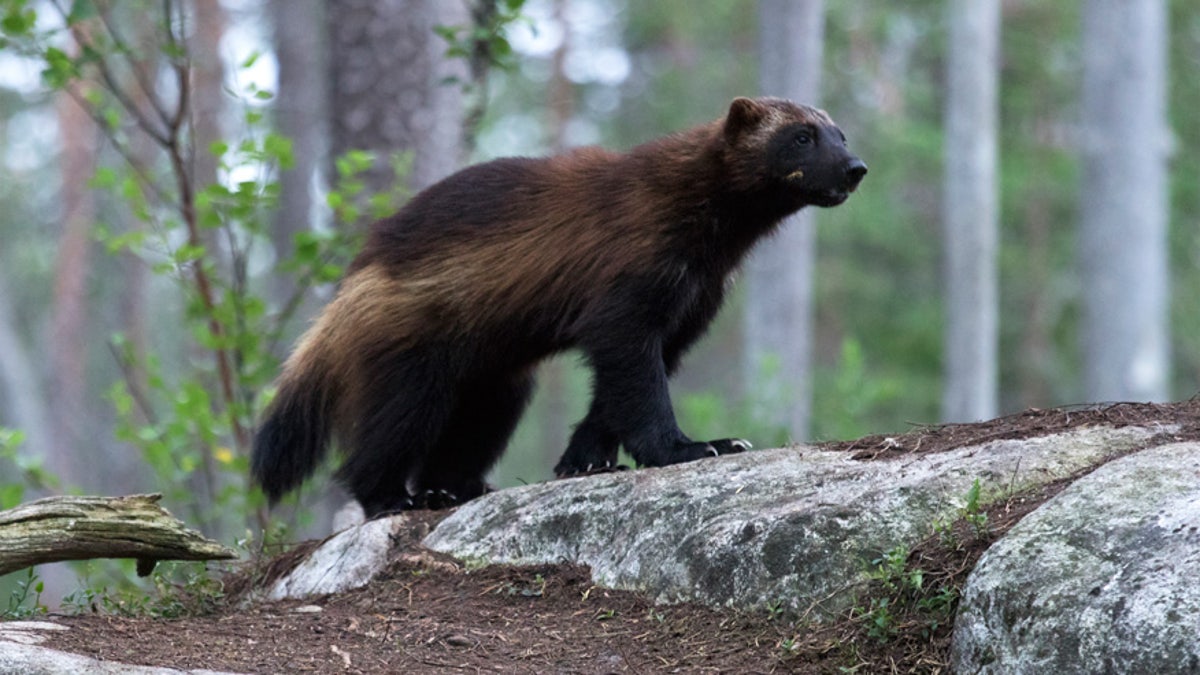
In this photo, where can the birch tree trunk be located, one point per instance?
(779, 275)
(1123, 209)
(970, 212)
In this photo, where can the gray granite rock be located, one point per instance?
(791, 527)
(1104, 578)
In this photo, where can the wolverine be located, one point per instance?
(422, 363)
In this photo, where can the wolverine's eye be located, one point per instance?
(803, 138)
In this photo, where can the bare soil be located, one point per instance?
(428, 614)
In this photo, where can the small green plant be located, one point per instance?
(606, 614)
(881, 623)
(891, 570)
(180, 589)
(533, 589)
(901, 597)
(776, 609)
(973, 513)
(938, 607)
(20, 604)
(898, 583)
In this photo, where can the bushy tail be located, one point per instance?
(294, 432)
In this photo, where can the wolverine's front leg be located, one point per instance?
(633, 402)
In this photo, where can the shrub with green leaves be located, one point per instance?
(190, 412)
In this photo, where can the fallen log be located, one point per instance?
(81, 528)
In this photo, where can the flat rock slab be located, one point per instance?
(1104, 578)
(349, 559)
(792, 527)
(20, 655)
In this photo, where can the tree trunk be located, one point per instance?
(69, 317)
(388, 91)
(779, 275)
(969, 216)
(300, 116)
(208, 88)
(553, 374)
(1123, 210)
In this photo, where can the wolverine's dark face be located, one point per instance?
(794, 151)
(812, 161)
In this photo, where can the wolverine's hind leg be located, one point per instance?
(398, 414)
(483, 418)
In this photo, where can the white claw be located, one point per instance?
(743, 444)
(588, 469)
(608, 464)
(713, 451)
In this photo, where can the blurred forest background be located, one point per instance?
(1029, 233)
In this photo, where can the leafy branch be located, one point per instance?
(193, 426)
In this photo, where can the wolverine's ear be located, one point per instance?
(744, 113)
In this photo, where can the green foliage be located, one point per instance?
(20, 603)
(18, 20)
(29, 470)
(898, 592)
(1184, 244)
(178, 589)
(190, 421)
(195, 424)
(534, 588)
(671, 41)
(851, 394)
(484, 43)
(971, 512)
(346, 199)
(710, 415)
(899, 595)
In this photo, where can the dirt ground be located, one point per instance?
(430, 615)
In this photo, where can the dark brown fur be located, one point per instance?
(421, 365)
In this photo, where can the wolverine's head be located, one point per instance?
(793, 150)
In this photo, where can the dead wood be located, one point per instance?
(80, 528)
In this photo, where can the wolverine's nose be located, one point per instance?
(855, 170)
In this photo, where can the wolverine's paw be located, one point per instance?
(730, 446)
(691, 451)
(388, 507)
(562, 471)
(439, 499)
(436, 500)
